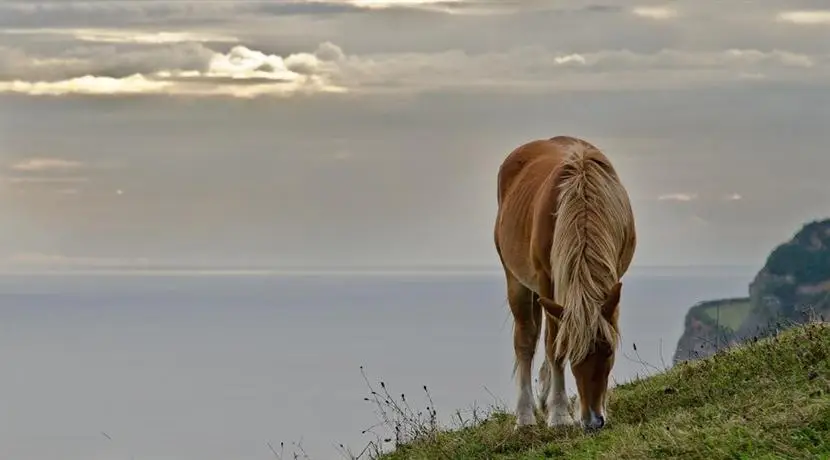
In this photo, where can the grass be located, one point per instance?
(765, 400)
(733, 312)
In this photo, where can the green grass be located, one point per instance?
(732, 312)
(767, 400)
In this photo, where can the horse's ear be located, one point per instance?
(551, 307)
(612, 302)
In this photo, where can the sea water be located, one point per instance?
(217, 367)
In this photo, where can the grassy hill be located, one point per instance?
(764, 400)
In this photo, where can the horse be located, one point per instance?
(565, 236)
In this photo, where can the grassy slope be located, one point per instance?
(767, 400)
(733, 312)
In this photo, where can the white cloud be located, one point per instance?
(655, 12)
(43, 180)
(195, 70)
(45, 164)
(678, 197)
(87, 85)
(807, 17)
(127, 35)
(241, 72)
(734, 197)
(398, 3)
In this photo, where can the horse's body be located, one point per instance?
(565, 234)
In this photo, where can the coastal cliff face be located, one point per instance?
(792, 288)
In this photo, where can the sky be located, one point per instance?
(369, 132)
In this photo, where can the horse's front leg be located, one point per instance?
(556, 396)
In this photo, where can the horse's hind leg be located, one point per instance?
(527, 323)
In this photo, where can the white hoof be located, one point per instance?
(525, 420)
(560, 418)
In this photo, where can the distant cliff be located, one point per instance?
(792, 288)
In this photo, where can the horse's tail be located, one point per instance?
(593, 214)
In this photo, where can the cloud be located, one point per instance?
(733, 197)
(45, 164)
(197, 70)
(105, 61)
(88, 85)
(401, 3)
(38, 14)
(807, 17)
(125, 36)
(655, 12)
(43, 180)
(189, 69)
(677, 197)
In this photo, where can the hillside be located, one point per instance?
(767, 399)
(792, 287)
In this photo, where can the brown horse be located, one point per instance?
(565, 234)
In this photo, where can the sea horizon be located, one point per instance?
(366, 270)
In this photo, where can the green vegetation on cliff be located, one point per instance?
(711, 325)
(794, 284)
(729, 313)
(805, 258)
(793, 287)
(768, 399)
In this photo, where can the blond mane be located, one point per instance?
(592, 217)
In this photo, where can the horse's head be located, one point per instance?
(591, 372)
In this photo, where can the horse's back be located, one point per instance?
(526, 194)
(535, 161)
(527, 202)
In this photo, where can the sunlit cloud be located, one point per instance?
(655, 12)
(44, 180)
(677, 197)
(127, 36)
(241, 72)
(807, 17)
(87, 85)
(45, 164)
(733, 197)
(400, 3)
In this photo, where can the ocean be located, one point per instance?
(199, 367)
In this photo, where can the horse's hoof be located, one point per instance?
(560, 419)
(525, 420)
(595, 424)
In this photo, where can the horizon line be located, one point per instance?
(419, 270)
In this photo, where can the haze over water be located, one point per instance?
(215, 367)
